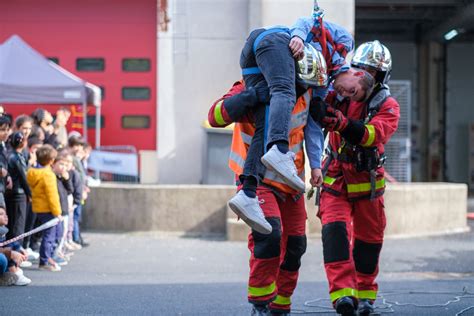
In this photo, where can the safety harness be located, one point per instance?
(364, 158)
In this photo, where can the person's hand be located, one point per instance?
(334, 120)
(318, 109)
(23, 252)
(84, 195)
(65, 175)
(4, 172)
(17, 257)
(9, 183)
(60, 217)
(297, 47)
(316, 177)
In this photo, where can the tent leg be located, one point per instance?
(84, 120)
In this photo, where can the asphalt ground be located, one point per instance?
(155, 274)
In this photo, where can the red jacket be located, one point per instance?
(342, 177)
(219, 116)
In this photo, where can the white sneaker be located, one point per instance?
(249, 210)
(32, 255)
(284, 165)
(25, 264)
(22, 280)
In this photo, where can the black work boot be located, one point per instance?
(260, 310)
(366, 307)
(345, 306)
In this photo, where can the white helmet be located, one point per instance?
(312, 67)
(375, 56)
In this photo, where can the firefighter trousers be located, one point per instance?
(352, 234)
(276, 258)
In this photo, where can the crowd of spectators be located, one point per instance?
(42, 176)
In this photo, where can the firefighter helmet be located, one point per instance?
(374, 56)
(312, 67)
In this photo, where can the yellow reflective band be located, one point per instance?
(218, 114)
(343, 292)
(370, 140)
(329, 180)
(282, 300)
(371, 295)
(364, 187)
(262, 291)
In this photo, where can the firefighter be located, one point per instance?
(352, 204)
(276, 257)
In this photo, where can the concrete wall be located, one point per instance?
(198, 62)
(411, 209)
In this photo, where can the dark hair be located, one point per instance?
(38, 116)
(34, 141)
(46, 154)
(75, 141)
(5, 120)
(36, 132)
(22, 119)
(63, 153)
(17, 140)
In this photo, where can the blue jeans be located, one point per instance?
(49, 238)
(76, 232)
(275, 61)
(3, 263)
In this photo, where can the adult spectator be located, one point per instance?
(62, 117)
(44, 120)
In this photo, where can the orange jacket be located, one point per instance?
(44, 190)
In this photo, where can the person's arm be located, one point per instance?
(22, 178)
(52, 194)
(234, 105)
(302, 28)
(314, 142)
(77, 188)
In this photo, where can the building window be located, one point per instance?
(90, 64)
(91, 121)
(136, 64)
(135, 121)
(135, 93)
(54, 60)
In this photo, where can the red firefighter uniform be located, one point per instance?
(275, 258)
(352, 205)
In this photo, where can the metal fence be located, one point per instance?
(115, 164)
(398, 149)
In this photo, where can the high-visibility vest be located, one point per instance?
(242, 138)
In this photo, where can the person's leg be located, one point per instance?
(3, 263)
(29, 223)
(293, 218)
(11, 213)
(265, 253)
(76, 233)
(335, 214)
(276, 62)
(19, 205)
(47, 242)
(369, 226)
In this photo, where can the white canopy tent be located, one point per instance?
(27, 77)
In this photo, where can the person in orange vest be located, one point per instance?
(352, 204)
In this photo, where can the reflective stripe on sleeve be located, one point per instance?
(218, 114)
(371, 138)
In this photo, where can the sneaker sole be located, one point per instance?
(268, 164)
(254, 225)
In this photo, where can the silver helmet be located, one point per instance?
(374, 56)
(312, 67)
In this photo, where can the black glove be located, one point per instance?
(318, 109)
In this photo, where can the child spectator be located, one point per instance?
(16, 198)
(75, 199)
(45, 201)
(13, 255)
(64, 189)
